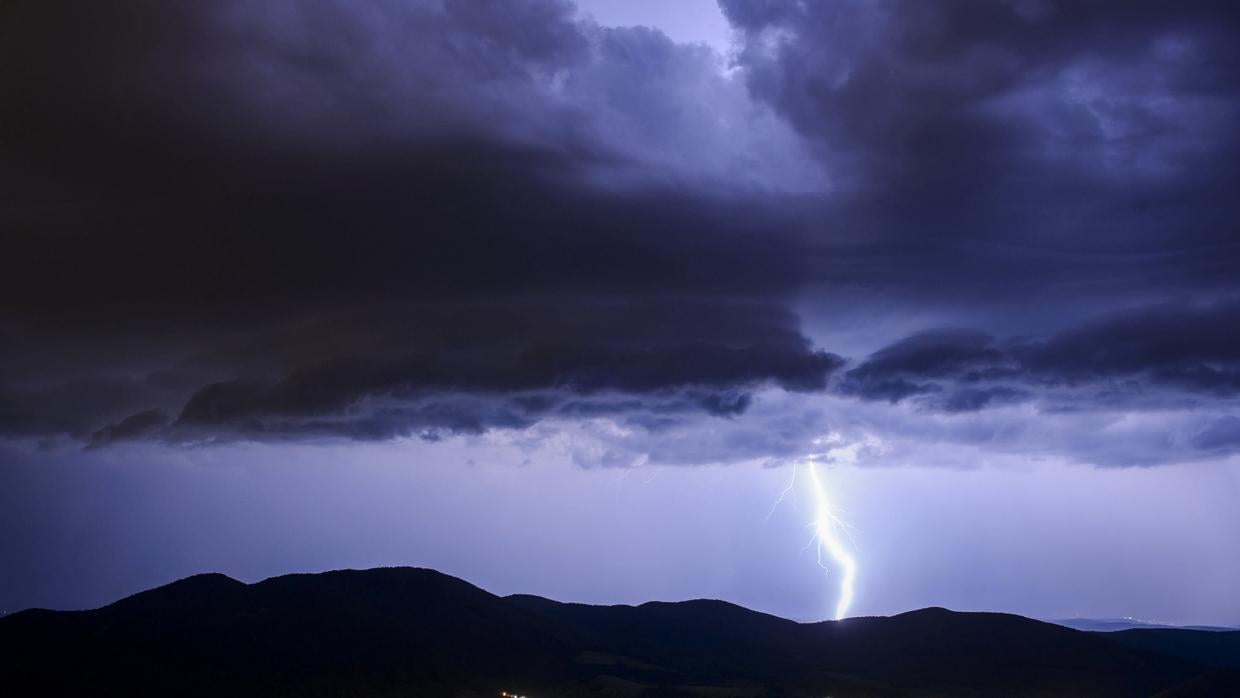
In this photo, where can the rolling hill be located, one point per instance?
(406, 631)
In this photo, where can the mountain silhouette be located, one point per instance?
(1114, 624)
(417, 632)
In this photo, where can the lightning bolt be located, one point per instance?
(782, 495)
(825, 527)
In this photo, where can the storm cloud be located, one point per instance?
(292, 220)
(1037, 153)
(1147, 356)
(309, 218)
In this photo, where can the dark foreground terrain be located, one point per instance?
(416, 632)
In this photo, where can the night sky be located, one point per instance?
(569, 299)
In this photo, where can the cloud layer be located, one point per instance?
(314, 219)
(1146, 356)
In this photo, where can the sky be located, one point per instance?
(582, 300)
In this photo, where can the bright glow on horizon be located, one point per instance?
(826, 535)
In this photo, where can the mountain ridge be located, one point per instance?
(397, 630)
(1118, 624)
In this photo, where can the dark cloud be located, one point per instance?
(918, 93)
(1190, 348)
(314, 218)
(1063, 153)
(155, 178)
(295, 219)
(73, 406)
(450, 367)
(911, 366)
(697, 358)
(1221, 435)
(973, 399)
(1153, 356)
(132, 427)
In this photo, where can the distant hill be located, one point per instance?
(1104, 625)
(416, 632)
